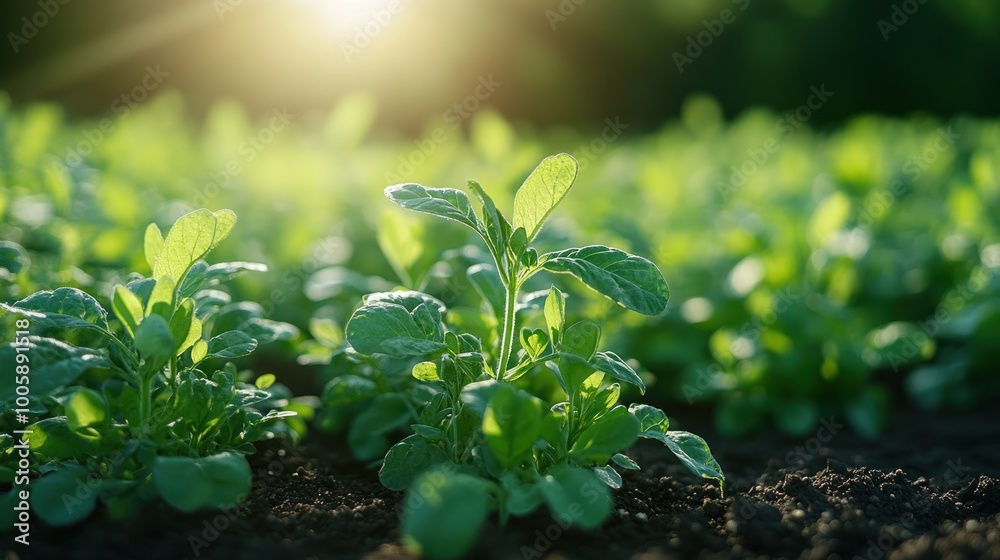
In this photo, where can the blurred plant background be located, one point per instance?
(818, 181)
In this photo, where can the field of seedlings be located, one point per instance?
(291, 293)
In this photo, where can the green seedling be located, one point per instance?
(483, 443)
(144, 401)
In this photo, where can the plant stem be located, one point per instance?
(507, 340)
(455, 411)
(145, 398)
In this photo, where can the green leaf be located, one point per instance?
(452, 204)
(54, 440)
(653, 422)
(694, 454)
(199, 351)
(409, 299)
(534, 342)
(85, 409)
(521, 498)
(54, 364)
(518, 243)
(401, 239)
(444, 513)
(326, 331)
(142, 288)
(152, 244)
(544, 188)
(611, 433)
(266, 331)
(580, 341)
(612, 364)
(408, 459)
(426, 371)
(161, 299)
(600, 402)
(429, 433)
(555, 314)
(232, 344)
(348, 389)
(67, 308)
(57, 498)
(127, 308)
(476, 396)
(185, 327)
(398, 324)
(576, 496)
(265, 381)
(609, 476)
(496, 225)
(486, 281)
(191, 237)
(154, 342)
(631, 281)
(13, 257)
(190, 484)
(201, 275)
(592, 385)
(225, 271)
(512, 423)
(367, 436)
(624, 462)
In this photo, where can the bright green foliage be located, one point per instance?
(798, 292)
(629, 280)
(191, 237)
(482, 439)
(147, 406)
(190, 483)
(445, 513)
(542, 191)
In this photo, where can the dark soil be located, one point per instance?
(929, 488)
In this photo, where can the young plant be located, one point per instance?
(149, 406)
(483, 442)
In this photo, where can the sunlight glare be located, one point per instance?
(346, 18)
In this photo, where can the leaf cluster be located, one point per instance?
(144, 401)
(482, 441)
